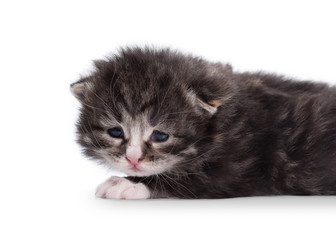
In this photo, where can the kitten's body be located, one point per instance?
(230, 134)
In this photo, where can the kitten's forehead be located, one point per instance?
(108, 120)
(145, 88)
(137, 126)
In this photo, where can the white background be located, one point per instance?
(47, 187)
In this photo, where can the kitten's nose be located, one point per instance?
(134, 154)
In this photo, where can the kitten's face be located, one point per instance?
(140, 116)
(137, 147)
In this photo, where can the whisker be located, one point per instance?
(93, 107)
(187, 161)
(86, 131)
(192, 144)
(166, 181)
(180, 184)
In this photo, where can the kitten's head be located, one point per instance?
(145, 111)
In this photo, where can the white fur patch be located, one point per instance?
(135, 134)
(121, 188)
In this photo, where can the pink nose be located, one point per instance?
(133, 161)
(133, 155)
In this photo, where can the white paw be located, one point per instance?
(121, 188)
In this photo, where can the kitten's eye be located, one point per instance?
(159, 136)
(116, 132)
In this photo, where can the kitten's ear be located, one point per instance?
(78, 89)
(100, 64)
(209, 106)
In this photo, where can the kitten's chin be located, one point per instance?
(138, 172)
(141, 170)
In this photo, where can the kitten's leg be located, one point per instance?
(161, 187)
(122, 188)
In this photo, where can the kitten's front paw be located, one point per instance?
(121, 188)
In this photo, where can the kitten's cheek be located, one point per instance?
(121, 188)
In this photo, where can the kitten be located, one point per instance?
(182, 127)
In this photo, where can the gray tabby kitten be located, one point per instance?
(182, 127)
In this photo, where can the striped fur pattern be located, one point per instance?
(231, 134)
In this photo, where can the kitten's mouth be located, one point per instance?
(135, 168)
(136, 171)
